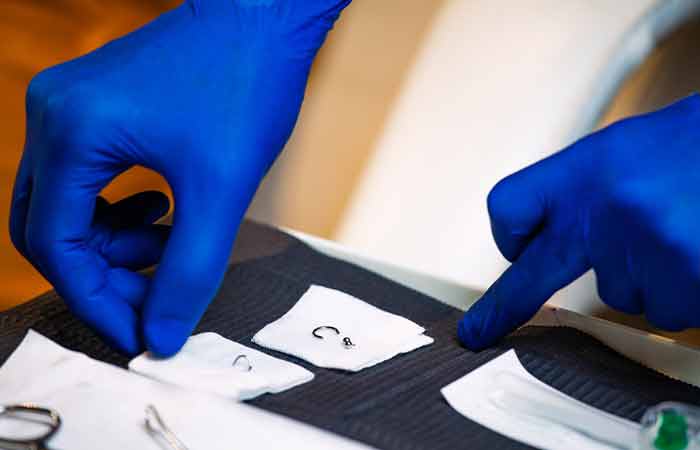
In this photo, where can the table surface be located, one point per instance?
(671, 356)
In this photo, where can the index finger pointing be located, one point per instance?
(546, 265)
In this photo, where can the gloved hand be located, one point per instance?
(624, 201)
(206, 95)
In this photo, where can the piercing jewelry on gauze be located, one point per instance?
(347, 342)
(248, 366)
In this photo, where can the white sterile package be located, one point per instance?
(335, 330)
(104, 407)
(209, 362)
(503, 396)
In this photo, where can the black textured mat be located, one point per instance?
(396, 405)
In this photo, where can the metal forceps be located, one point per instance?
(46, 421)
(157, 427)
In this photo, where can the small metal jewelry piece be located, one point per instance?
(320, 336)
(32, 414)
(156, 426)
(248, 366)
(347, 343)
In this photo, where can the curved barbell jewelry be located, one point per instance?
(324, 327)
(347, 342)
(248, 367)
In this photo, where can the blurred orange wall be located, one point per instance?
(35, 34)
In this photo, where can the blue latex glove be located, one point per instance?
(624, 201)
(206, 95)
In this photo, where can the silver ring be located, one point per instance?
(248, 366)
(317, 329)
(53, 422)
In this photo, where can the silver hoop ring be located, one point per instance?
(248, 366)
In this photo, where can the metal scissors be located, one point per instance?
(46, 420)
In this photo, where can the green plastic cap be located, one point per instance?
(673, 432)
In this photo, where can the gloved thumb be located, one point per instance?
(207, 216)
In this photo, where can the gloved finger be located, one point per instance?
(311, 21)
(516, 210)
(122, 232)
(132, 287)
(672, 284)
(205, 224)
(612, 260)
(59, 225)
(549, 263)
(296, 8)
(19, 207)
(670, 280)
(332, 7)
(520, 204)
(614, 281)
(101, 207)
(143, 208)
(618, 291)
(134, 248)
